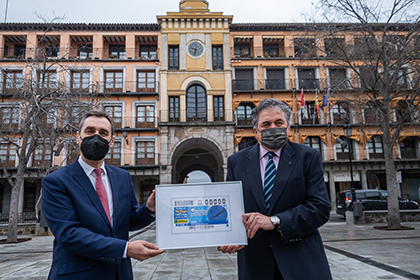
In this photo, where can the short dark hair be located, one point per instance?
(99, 114)
(268, 103)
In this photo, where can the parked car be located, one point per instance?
(371, 200)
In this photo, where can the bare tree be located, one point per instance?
(383, 59)
(42, 112)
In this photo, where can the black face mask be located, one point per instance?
(274, 138)
(94, 147)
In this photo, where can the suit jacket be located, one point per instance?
(299, 199)
(86, 246)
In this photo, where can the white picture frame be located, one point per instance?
(199, 215)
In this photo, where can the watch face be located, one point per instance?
(195, 49)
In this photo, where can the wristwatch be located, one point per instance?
(276, 221)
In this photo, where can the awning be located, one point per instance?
(243, 38)
(303, 137)
(273, 38)
(355, 136)
(404, 135)
(236, 103)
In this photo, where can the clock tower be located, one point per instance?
(196, 117)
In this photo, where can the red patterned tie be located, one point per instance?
(100, 189)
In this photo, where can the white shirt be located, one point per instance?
(90, 172)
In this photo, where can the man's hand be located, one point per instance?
(142, 250)
(255, 221)
(229, 249)
(151, 202)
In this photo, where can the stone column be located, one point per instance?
(333, 194)
(364, 179)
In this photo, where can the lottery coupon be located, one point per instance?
(200, 214)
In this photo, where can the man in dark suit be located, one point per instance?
(90, 208)
(285, 199)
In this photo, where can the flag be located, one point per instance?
(325, 101)
(318, 112)
(303, 107)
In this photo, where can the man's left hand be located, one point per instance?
(255, 221)
(151, 202)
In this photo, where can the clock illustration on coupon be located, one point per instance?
(195, 49)
(217, 214)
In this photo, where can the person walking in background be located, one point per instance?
(285, 199)
(90, 208)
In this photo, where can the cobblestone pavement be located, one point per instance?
(354, 252)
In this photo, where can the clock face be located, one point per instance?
(195, 49)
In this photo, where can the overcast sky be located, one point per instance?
(142, 11)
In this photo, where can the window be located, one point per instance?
(242, 50)
(9, 117)
(307, 79)
(408, 148)
(243, 79)
(363, 47)
(42, 156)
(115, 112)
(12, 81)
(217, 57)
(314, 142)
(20, 51)
(173, 58)
(312, 114)
(47, 80)
(334, 46)
(113, 81)
(148, 52)
(146, 81)
(29, 195)
(113, 157)
(80, 80)
(117, 51)
(196, 103)
(369, 78)
(145, 116)
(404, 111)
(340, 112)
(8, 154)
(218, 107)
(375, 149)
(305, 46)
(246, 142)
(75, 114)
(394, 44)
(337, 78)
(174, 108)
(275, 79)
(402, 78)
(48, 117)
(243, 114)
(73, 152)
(371, 113)
(145, 153)
(84, 51)
(341, 152)
(270, 50)
(52, 51)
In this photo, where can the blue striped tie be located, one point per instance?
(270, 174)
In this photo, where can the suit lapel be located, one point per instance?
(80, 177)
(253, 172)
(284, 170)
(115, 190)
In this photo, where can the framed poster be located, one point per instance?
(199, 215)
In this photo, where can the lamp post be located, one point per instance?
(347, 132)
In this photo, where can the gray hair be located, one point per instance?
(99, 114)
(269, 103)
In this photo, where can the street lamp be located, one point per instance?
(348, 133)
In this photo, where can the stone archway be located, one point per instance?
(197, 154)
